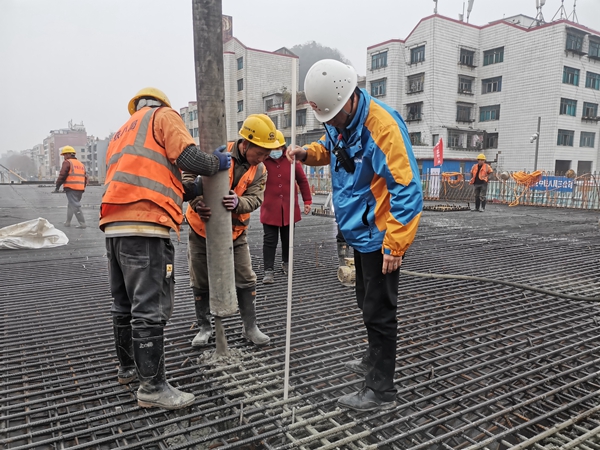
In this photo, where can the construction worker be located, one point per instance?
(378, 202)
(480, 173)
(275, 211)
(74, 179)
(247, 178)
(142, 202)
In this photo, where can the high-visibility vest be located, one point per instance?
(239, 222)
(484, 171)
(137, 168)
(76, 177)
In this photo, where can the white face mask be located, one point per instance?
(276, 154)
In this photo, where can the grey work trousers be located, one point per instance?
(74, 205)
(142, 279)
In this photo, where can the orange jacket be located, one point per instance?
(239, 222)
(143, 184)
(76, 179)
(483, 172)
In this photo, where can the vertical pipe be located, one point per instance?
(537, 144)
(210, 92)
(291, 228)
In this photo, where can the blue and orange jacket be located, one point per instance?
(379, 205)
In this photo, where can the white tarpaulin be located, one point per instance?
(36, 233)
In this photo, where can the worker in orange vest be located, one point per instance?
(247, 178)
(74, 179)
(142, 203)
(479, 179)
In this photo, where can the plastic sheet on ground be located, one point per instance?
(36, 233)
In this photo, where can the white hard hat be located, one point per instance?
(328, 86)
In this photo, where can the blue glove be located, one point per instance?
(231, 201)
(224, 157)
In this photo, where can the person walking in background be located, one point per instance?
(142, 202)
(480, 173)
(74, 179)
(247, 178)
(275, 210)
(378, 202)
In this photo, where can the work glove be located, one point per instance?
(224, 157)
(231, 201)
(203, 211)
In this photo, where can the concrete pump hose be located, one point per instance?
(507, 283)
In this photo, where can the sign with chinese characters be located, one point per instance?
(558, 184)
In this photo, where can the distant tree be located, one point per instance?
(20, 164)
(311, 52)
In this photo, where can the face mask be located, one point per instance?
(276, 154)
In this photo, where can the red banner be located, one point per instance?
(438, 153)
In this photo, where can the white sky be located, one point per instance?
(83, 60)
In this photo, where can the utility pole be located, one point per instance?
(537, 144)
(210, 93)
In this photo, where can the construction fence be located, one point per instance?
(512, 188)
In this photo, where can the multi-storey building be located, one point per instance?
(484, 89)
(75, 136)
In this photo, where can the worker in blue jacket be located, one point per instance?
(377, 200)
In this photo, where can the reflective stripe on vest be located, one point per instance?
(239, 222)
(138, 168)
(76, 177)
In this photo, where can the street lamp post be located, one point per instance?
(537, 144)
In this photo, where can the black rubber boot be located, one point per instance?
(202, 305)
(124, 347)
(246, 301)
(477, 203)
(155, 391)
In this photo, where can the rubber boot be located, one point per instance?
(477, 203)
(81, 220)
(155, 391)
(202, 305)
(483, 205)
(246, 301)
(124, 347)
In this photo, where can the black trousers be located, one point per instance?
(142, 279)
(270, 240)
(377, 297)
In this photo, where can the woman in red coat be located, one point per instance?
(275, 209)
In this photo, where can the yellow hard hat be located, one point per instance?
(280, 137)
(148, 92)
(67, 149)
(481, 156)
(260, 130)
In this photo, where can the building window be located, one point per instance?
(463, 112)
(491, 85)
(490, 140)
(417, 54)
(193, 115)
(467, 57)
(240, 124)
(568, 107)
(594, 50)
(590, 110)
(240, 63)
(565, 138)
(455, 139)
(275, 120)
(561, 166)
(587, 139)
(571, 76)
(268, 104)
(465, 85)
(415, 138)
(574, 42)
(414, 111)
(287, 120)
(378, 87)
(240, 84)
(301, 118)
(592, 80)
(416, 83)
(434, 139)
(379, 60)
(493, 56)
(240, 105)
(487, 113)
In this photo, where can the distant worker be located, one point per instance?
(378, 202)
(142, 202)
(479, 179)
(74, 179)
(275, 211)
(247, 178)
